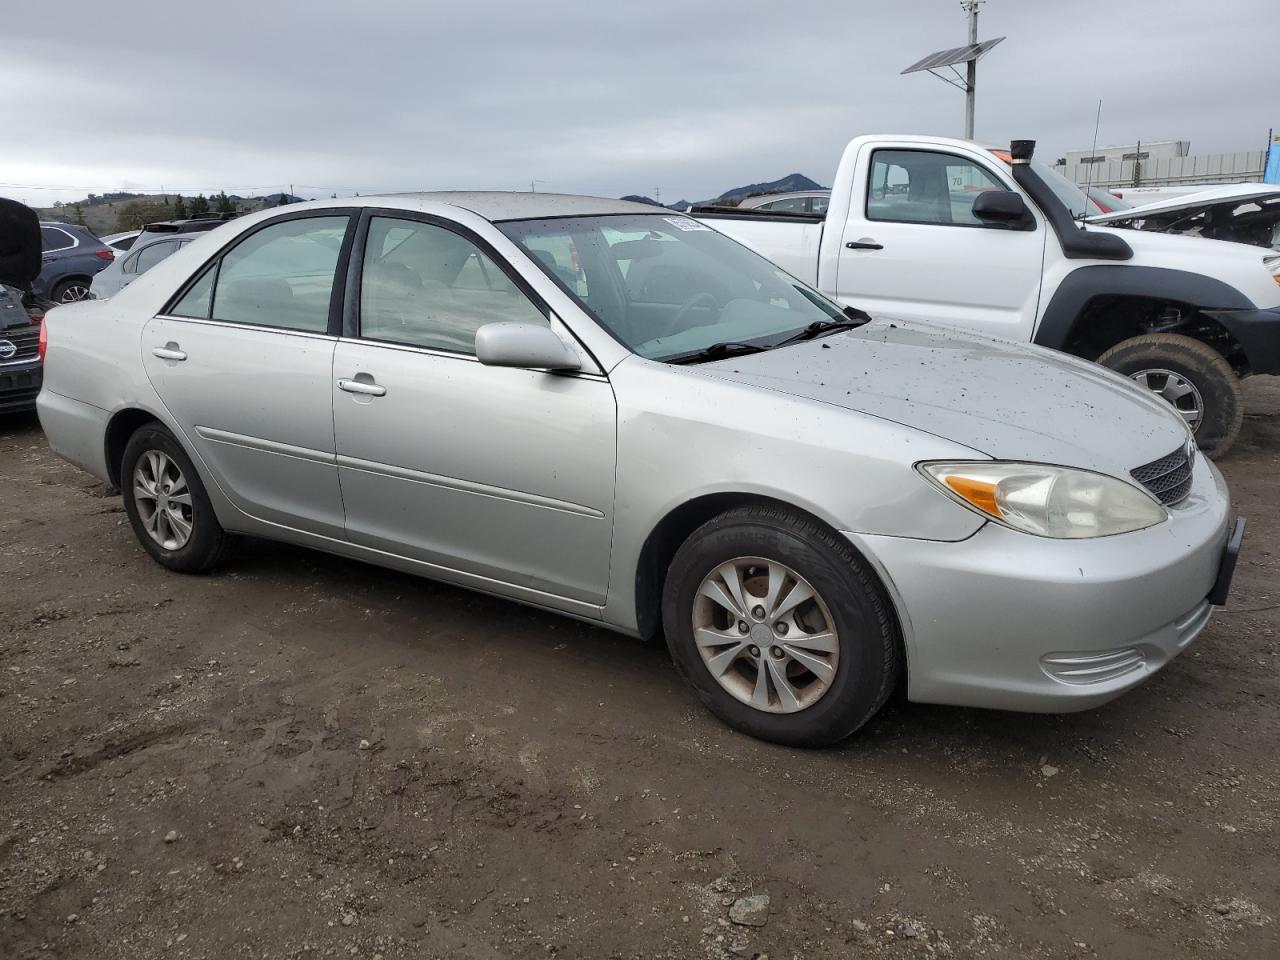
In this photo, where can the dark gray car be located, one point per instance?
(71, 257)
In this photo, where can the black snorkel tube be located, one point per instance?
(1077, 243)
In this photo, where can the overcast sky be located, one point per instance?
(610, 98)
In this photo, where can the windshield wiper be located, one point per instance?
(718, 351)
(820, 328)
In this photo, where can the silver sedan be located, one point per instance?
(619, 414)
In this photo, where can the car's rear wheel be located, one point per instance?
(70, 291)
(780, 627)
(167, 505)
(1192, 377)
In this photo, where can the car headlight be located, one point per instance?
(1047, 501)
(1272, 264)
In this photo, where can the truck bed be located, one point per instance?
(791, 240)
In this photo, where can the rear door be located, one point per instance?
(913, 248)
(243, 361)
(501, 478)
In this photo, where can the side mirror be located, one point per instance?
(1003, 207)
(520, 344)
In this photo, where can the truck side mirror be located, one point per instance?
(1003, 208)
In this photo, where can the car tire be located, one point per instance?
(1166, 363)
(167, 505)
(823, 705)
(71, 290)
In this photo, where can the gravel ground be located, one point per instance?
(306, 757)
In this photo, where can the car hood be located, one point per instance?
(1232, 194)
(1007, 400)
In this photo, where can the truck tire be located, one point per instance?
(1190, 375)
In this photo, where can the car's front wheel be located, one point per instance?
(1189, 375)
(780, 627)
(167, 504)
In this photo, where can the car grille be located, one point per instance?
(26, 339)
(1169, 478)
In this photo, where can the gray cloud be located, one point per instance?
(605, 98)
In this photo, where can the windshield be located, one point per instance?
(1072, 197)
(669, 286)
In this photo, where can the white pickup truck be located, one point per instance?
(952, 232)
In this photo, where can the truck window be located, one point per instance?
(922, 186)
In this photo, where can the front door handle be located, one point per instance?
(866, 243)
(169, 351)
(366, 387)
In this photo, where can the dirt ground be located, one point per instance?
(306, 757)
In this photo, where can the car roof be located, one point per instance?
(499, 205)
(770, 197)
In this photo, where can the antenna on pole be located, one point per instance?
(1093, 152)
(969, 55)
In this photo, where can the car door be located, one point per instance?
(913, 248)
(502, 476)
(243, 361)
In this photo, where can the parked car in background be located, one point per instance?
(954, 232)
(146, 253)
(167, 227)
(72, 257)
(805, 201)
(1239, 212)
(121, 241)
(19, 353)
(615, 412)
(1104, 201)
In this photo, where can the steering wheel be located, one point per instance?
(685, 309)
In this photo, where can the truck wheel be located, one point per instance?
(167, 505)
(1191, 376)
(780, 627)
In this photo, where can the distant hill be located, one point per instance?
(791, 183)
(788, 184)
(103, 213)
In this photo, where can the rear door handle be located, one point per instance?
(866, 243)
(169, 351)
(365, 387)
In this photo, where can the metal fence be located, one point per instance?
(1241, 167)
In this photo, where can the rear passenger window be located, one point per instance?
(282, 275)
(426, 286)
(148, 257)
(51, 238)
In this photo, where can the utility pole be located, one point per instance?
(971, 79)
(969, 55)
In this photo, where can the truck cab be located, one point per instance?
(991, 240)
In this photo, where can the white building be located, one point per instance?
(1159, 163)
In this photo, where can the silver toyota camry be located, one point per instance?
(614, 412)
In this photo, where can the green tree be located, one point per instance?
(136, 214)
(79, 214)
(222, 203)
(200, 206)
(179, 208)
(283, 201)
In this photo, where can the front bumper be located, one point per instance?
(1010, 621)
(19, 386)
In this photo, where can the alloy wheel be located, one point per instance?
(74, 292)
(765, 635)
(1175, 390)
(163, 500)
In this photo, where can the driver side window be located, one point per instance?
(425, 286)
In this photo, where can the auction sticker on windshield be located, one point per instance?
(684, 223)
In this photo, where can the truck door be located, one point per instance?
(912, 247)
